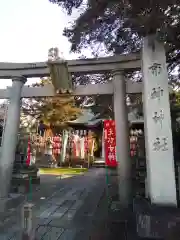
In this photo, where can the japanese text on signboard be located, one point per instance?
(110, 143)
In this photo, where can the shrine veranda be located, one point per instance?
(157, 122)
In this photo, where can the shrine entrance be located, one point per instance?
(76, 145)
(158, 134)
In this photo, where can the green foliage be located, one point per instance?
(119, 25)
(175, 119)
(117, 20)
(55, 110)
(175, 111)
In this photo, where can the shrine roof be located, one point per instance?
(94, 122)
(86, 118)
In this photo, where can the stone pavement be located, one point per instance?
(68, 214)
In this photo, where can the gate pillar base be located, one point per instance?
(156, 221)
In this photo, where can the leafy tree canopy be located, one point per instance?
(55, 111)
(119, 25)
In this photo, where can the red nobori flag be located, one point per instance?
(110, 143)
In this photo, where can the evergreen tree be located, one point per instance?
(119, 25)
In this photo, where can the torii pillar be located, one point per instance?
(122, 139)
(9, 143)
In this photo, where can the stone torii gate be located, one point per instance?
(159, 149)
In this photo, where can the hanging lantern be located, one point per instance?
(54, 145)
(54, 139)
(58, 138)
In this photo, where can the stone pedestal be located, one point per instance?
(13, 201)
(154, 221)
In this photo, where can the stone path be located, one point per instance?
(66, 213)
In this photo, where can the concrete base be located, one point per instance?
(21, 185)
(155, 222)
(13, 201)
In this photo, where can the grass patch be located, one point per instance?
(62, 171)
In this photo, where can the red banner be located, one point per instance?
(110, 143)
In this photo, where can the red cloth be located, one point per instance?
(28, 160)
(110, 143)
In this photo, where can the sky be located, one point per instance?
(29, 28)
